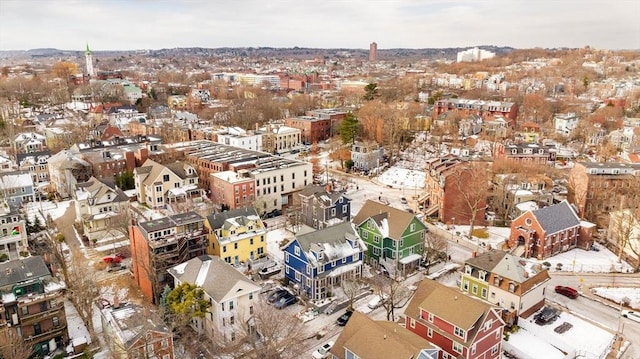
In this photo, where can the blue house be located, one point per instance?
(317, 261)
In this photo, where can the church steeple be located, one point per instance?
(88, 59)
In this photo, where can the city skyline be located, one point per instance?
(143, 24)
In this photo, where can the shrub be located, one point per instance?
(4, 257)
(24, 253)
(506, 336)
(60, 237)
(482, 233)
(546, 264)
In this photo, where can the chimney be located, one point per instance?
(328, 187)
(116, 302)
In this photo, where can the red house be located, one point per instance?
(463, 327)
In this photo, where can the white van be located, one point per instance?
(376, 301)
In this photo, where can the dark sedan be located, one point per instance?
(275, 296)
(344, 318)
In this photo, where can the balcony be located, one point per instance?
(48, 334)
(37, 317)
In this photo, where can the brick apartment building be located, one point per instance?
(485, 109)
(445, 197)
(159, 244)
(276, 179)
(32, 309)
(313, 129)
(526, 153)
(232, 190)
(598, 188)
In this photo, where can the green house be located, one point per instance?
(394, 238)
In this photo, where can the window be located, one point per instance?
(465, 285)
(473, 349)
(512, 287)
(250, 296)
(235, 245)
(308, 269)
(484, 293)
(458, 332)
(250, 241)
(298, 276)
(222, 306)
(165, 343)
(56, 321)
(333, 211)
(224, 249)
(488, 324)
(430, 318)
(467, 269)
(429, 332)
(494, 349)
(251, 309)
(376, 251)
(232, 320)
(286, 257)
(412, 323)
(158, 188)
(166, 356)
(344, 260)
(482, 275)
(474, 289)
(25, 310)
(231, 305)
(498, 333)
(296, 250)
(457, 347)
(412, 227)
(376, 238)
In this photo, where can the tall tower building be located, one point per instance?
(89, 61)
(373, 52)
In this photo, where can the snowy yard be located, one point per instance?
(55, 209)
(618, 294)
(274, 239)
(574, 260)
(398, 177)
(583, 340)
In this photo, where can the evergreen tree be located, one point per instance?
(349, 129)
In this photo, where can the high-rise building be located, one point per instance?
(373, 52)
(89, 61)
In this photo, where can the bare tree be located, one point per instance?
(83, 289)
(436, 248)
(352, 287)
(392, 290)
(13, 346)
(270, 334)
(471, 183)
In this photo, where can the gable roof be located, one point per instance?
(398, 220)
(213, 275)
(378, 339)
(217, 220)
(557, 217)
(505, 265)
(447, 303)
(331, 242)
(97, 189)
(321, 194)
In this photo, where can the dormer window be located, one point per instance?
(512, 287)
(482, 275)
(468, 269)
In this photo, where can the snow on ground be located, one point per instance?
(274, 240)
(55, 209)
(76, 327)
(578, 260)
(618, 294)
(398, 177)
(584, 339)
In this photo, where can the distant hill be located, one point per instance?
(294, 52)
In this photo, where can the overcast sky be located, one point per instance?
(155, 24)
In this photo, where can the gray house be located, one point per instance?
(321, 207)
(366, 156)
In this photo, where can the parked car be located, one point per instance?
(114, 267)
(376, 301)
(275, 296)
(546, 315)
(567, 291)
(563, 327)
(112, 259)
(631, 315)
(403, 200)
(285, 301)
(344, 318)
(323, 351)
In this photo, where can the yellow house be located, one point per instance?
(237, 235)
